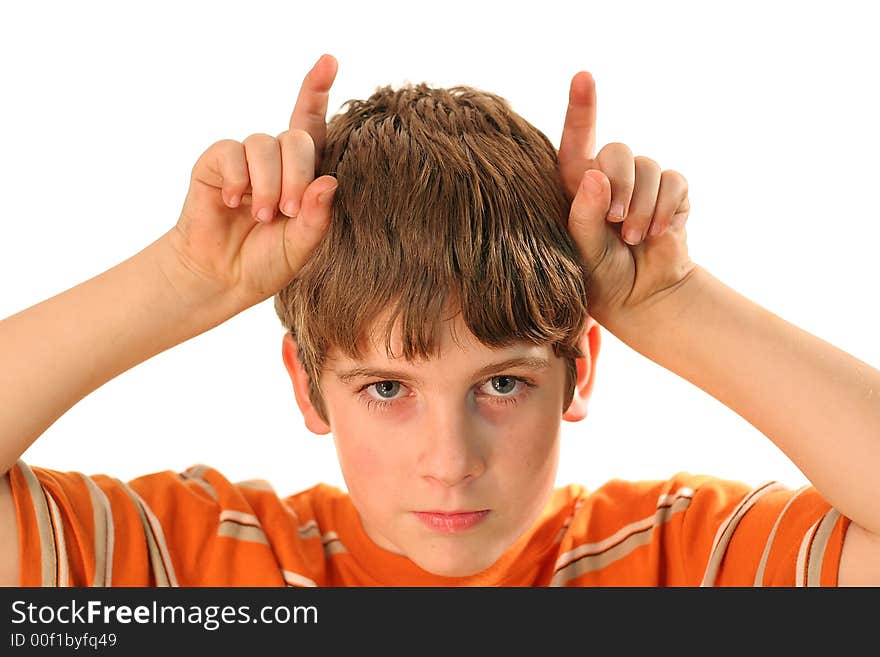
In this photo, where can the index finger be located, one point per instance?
(310, 111)
(578, 142)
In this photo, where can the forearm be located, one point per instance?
(55, 353)
(817, 403)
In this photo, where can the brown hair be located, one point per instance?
(447, 199)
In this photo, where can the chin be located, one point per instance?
(456, 564)
(454, 569)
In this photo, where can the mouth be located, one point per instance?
(451, 522)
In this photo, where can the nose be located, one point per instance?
(451, 451)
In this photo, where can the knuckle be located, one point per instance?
(226, 144)
(676, 178)
(299, 133)
(647, 164)
(619, 147)
(259, 139)
(300, 140)
(217, 151)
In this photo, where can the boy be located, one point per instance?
(438, 326)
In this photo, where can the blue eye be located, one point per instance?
(384, 396)
(386, 389)
(507, 384)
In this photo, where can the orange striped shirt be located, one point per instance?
(196, 528)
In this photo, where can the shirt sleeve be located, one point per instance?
(193, 528)
(775, 536)
(733, 534)
(698, 530)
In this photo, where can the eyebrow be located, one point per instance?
(532, 363)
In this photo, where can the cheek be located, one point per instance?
(532, 442)
(366, 455)
(361, 457)
(365, 442)
(363, 464)
(534, 452)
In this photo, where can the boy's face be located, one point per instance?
(460, 433)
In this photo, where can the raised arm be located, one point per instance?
(218, 260)
(817, 403)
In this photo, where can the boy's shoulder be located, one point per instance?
(618, 491)
(213, 481)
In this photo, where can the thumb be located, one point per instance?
(587, 216)
(310, 225)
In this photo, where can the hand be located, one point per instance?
(623, 275)
(227, 239)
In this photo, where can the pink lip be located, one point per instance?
(451, 522)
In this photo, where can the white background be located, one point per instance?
(769, 110)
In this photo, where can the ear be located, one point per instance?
(301, 386)
(590, 342)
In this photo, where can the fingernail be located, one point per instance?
(264, 215)
(290, 209)
(616, 210)
(655, 229)
(327, 194)
(633, 236)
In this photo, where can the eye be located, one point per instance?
(385, 389)
(379, 395)
(503, 385)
